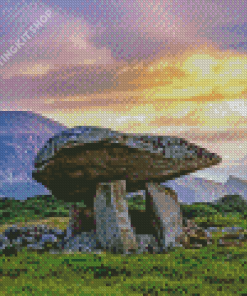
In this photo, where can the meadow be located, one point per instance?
(210, 270)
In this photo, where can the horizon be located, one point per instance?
(162, 184)
(176, 79)
(154, 68)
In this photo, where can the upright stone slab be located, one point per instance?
(81, 220)
(167, 211)
(113, 227)
(74, 222)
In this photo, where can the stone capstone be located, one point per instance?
(75, 160)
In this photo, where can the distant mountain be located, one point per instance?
(22, 134)
(233, 200)
(190, 189)
(237, 186)
(221, 172)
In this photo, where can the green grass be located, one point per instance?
(197, 272)
(206, 271)
(230, 220)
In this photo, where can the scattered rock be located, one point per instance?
(194, 237)
(239, 237)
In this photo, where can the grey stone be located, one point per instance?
(74, 163)
(167, 213)
(113, 225)
(232, 229)
(75, 160)
(84, 242)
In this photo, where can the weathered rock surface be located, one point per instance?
(161, 218)
(74, 162)
(42, 239)
(113, 225)
(166, 213)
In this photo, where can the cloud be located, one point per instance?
(70, 57)
(156, 55)
(62, 40)
(223, 136)
(151, 26)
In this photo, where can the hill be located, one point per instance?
(22, 134)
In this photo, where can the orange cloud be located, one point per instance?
(202, 74)
(186, 120)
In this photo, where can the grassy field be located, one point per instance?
(207, 271)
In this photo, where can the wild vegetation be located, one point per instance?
(206, 271)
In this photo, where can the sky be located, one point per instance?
(158, 67)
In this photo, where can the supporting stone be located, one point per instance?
(121, 230)
(113, 227)
(167, 217)
(81, 220)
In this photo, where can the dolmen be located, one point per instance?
(100, 166)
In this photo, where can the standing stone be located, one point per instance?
(167, 217)
(81, 220)
(113, 227)
(74, 222)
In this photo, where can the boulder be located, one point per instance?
(120, 229)
(75, 160)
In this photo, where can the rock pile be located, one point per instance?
(194, 237)
(197, 237)
(42, 239)
(234, 237)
